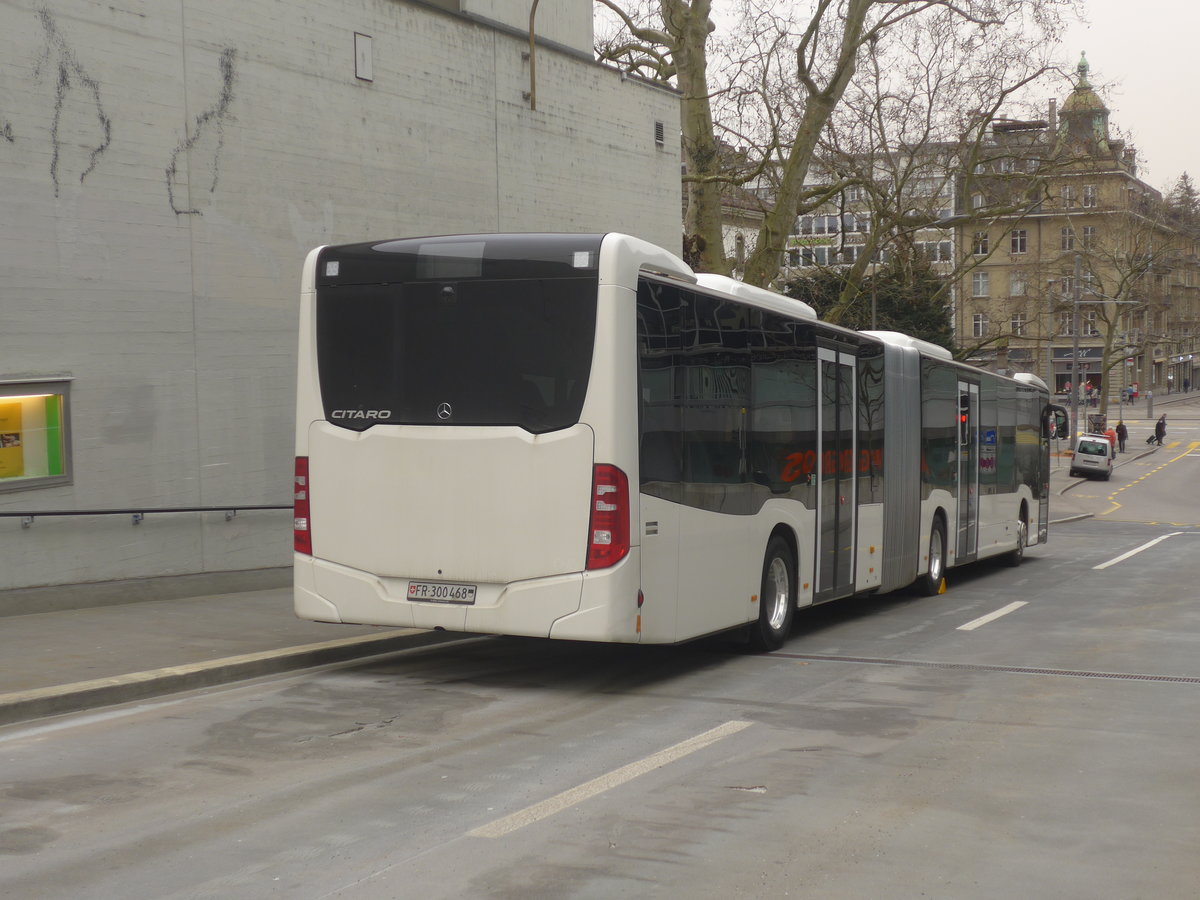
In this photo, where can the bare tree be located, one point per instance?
(918, 139)
(675, 51)
(784, 71)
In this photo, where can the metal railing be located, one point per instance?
(137, 514)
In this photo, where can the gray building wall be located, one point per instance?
(164, 168)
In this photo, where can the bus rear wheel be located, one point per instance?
(776, 599)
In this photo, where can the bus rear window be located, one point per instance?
(458, 351)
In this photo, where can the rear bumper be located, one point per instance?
(575, 606)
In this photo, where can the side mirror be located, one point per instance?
(1056, 423)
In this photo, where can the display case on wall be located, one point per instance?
(35, 446)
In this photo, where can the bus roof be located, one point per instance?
(757, 295)
(897, 339)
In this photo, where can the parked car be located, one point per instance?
(1093, 456)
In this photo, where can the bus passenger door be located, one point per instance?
(967, 545)
(836, 455)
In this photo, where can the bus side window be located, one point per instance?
(660, 457)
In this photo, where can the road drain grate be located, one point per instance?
(971, 667)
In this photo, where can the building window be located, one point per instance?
(979, 325)
(1068, 238)
(1068, 197)
(853, 193)
(923, 187)
(976, 201)
(935, 251)
(819, 224)
(1019, 241)
(1089, 323)
(1016, 284)
(1089, 195)
(979, 284)
(814, 256)
(1017, 324)
(980, 246)
(1066, 323)
(35, 446)
(1088, 237)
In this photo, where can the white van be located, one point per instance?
(1093, 456)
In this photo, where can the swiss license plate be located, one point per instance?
(441, 592)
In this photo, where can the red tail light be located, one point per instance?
(608, 531)
(301, 536)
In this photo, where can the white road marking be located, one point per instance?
(991, 617)
(1135, 551)
(603, 783)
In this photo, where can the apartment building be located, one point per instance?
(1095, 282)
(1063, 262)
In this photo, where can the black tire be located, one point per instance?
(776, 598)
(931, 582)
(1014, 556)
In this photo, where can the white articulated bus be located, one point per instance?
(574, 436)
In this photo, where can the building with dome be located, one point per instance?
(1096, 283)
(1063, 262)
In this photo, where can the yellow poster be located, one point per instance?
(12, 456)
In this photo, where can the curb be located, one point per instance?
(21, 706)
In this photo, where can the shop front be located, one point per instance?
(1086, 369)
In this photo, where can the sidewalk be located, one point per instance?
(76, 659)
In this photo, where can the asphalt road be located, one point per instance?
(1030, 733)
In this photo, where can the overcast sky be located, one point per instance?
(1148, 52)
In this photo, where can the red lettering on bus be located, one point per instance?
(792, 467)
(799, 463)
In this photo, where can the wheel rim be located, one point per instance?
(1022, 536)
(777, 592)
(935, 555)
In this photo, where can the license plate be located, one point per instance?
(441, 592)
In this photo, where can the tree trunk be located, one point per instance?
(763, 265)
(703, 240)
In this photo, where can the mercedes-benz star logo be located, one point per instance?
(444, 411)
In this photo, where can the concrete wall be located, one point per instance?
(165, 166)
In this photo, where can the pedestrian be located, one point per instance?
(1122, 436)
(1111, 434)
(1187, 385)
(1160, 429)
